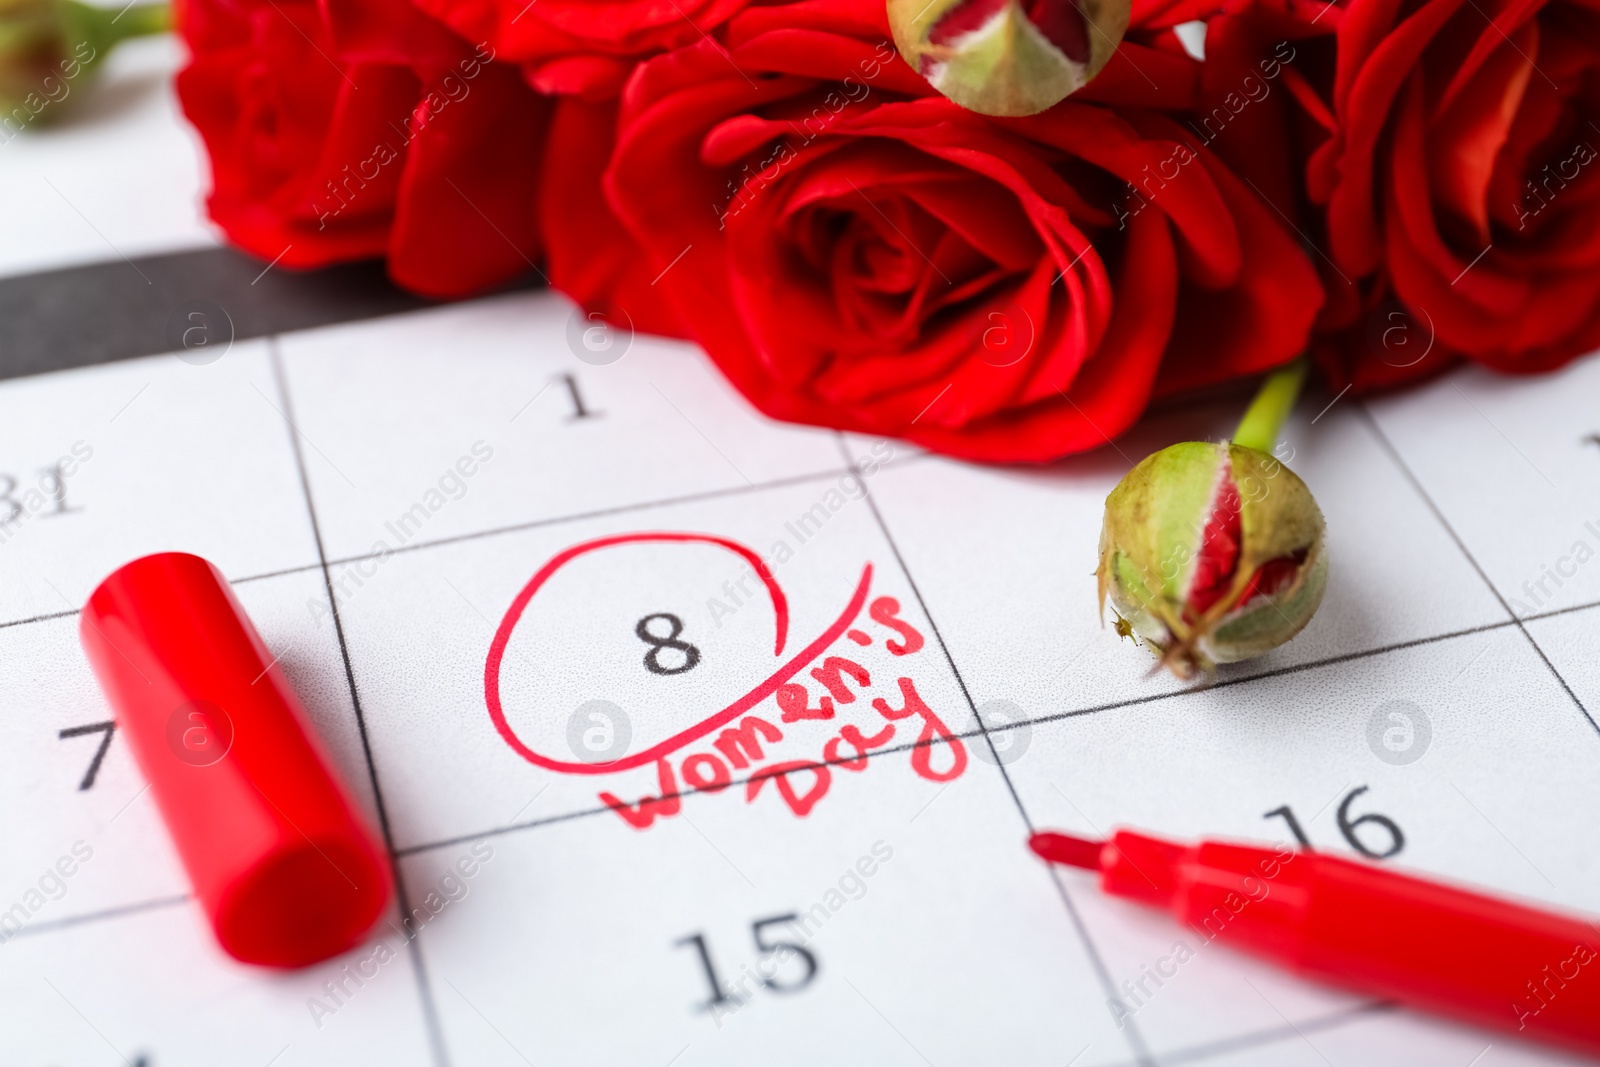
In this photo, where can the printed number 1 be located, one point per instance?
(1294, 825)
(719, 995)
(579, 411)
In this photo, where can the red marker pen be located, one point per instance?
(1485, 961)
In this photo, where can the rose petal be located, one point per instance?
(1467, 136)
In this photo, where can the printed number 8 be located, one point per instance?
(652, 659)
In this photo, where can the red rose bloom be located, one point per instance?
(1461, 178)
(363, 129)
(583, 47)
(1260, 108)
(589, 256)
(855, 252)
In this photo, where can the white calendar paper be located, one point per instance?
(650, 806)
(701, 739)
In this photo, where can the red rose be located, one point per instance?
(583, 47)
(854, 252)
(1260, 108)
(363, 131)
(589, 256)
(1461, 178)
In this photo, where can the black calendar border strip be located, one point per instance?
(102, 312)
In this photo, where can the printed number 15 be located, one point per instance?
(779, 951)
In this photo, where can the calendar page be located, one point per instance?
(695, 738)
(698, 738)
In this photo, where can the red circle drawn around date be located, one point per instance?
(780, 607)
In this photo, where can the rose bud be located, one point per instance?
(49, 47)
(1214, 553)
(1008, 57)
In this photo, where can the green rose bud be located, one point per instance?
(1008, 57)
(1214, 553)
(49, 49)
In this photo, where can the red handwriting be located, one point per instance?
(780, 607)
(886, 610)
(802, 783)
(932, 727)
(831, 674)
(851, 736)
(784, 774)
(795, 703)
(742, 745)
(641, 815)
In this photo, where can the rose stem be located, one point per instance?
(1264, 417)
(102, 28)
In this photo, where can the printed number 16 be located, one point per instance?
(1349, 827)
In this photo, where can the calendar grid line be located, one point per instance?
(553, 924)
(1046, 719)
(1134, 1038)
(536, 524)
(419, 965)
(613, 517)
(1273, 1035)
(532, 524)
(679, 794)
(1275, 672)
(966, 734)
(1427, 498)
(1536, 616)
(730, 491)
(601, 513)
(46, 617)
(50, 926)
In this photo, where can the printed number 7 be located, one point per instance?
(110, 728)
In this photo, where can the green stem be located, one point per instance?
(104, 28)
(1263, 419)
(141, 20)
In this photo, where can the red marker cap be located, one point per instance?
(287, 871)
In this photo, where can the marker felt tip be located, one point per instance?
(1486, 961)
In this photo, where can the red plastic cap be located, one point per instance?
(286, 869)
